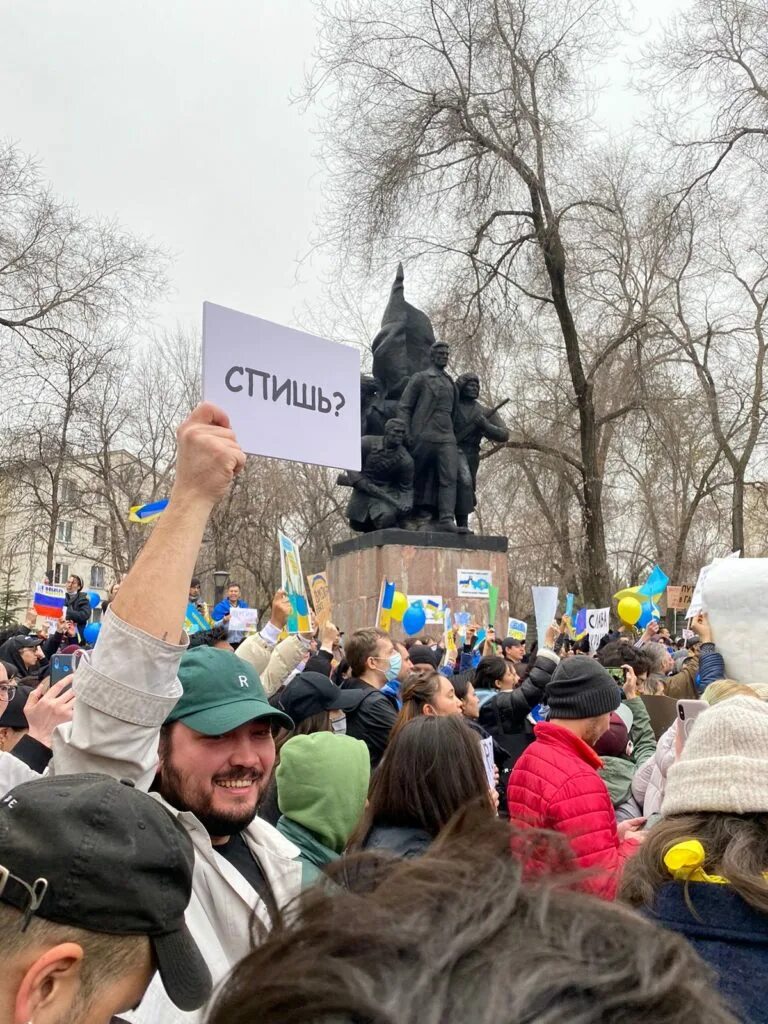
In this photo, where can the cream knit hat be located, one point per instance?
(724, 764)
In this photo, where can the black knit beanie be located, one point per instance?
(581, 688)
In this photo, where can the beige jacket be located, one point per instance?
(125, 690)
(273, 663)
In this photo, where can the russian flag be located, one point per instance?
(49, 601)
(386, 599)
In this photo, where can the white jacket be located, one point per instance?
(125, 690)
(650, 779)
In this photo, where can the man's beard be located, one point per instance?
(214, 823)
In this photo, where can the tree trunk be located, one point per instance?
(595, 579)
(737, 510)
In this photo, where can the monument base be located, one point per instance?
(420, 564)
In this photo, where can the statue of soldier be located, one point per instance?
(472, 423)
(428, 408)
(382, 492)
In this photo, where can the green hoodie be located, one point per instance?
(322, 786)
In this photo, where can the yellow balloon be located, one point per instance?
(399, 606)
(629, 610)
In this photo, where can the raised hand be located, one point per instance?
(208, 458)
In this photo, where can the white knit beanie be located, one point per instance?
(724, 764)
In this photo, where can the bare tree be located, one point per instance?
(708, 76)
(449, 136)
(60, 271)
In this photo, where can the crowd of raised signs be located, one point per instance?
(259, 826)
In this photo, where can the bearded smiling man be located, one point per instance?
(194, 727)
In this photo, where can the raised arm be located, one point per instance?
(154, 595)
(128, 685)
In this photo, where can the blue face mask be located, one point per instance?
(395, 664)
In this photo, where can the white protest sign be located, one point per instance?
(544, 609)
(432, 605)
(243, 620)
(486, 744)
(289, 395)
(598, 624)
(473, 582)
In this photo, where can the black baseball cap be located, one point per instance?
(511, 641)
(423, 654)
(309, 693)
(115, 862)
(27, 641)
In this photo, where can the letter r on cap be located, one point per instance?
(243, 681)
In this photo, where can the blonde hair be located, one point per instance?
(721, 689)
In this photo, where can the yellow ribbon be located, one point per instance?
(684, 862)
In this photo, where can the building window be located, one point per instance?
(61, 572)
(97, 576)
(64, 532)
(100, 535)
(68, 492)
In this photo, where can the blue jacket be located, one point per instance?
(730, 936)
(711, 667)
(224, 608)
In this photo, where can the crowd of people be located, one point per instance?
(253, 827)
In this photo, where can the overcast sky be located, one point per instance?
(174, 116)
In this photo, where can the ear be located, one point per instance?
(3, 736)
(428, 710)
(50, 984)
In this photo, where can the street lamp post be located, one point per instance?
(220, 578)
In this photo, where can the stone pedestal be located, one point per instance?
(419, 563)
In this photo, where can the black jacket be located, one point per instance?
(371, 720)
(505, 715)
(399, 840)
(78, 608)
(728, 934)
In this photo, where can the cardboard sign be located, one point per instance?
(473, 582)
(433, 607)
(293, 585)
(517, 629)
(598, 624)
(321, 597)
(289, 395)
(243, 620)
(679, 598)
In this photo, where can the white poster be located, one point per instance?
(473, 582)
(486, 744)
(598, 624)
(544, 609)
(433, 607)
(243, 620)
(289, 395)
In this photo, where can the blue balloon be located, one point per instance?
(415, 619)
(91, 632)
(94, 599)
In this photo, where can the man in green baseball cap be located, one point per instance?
(216, 746)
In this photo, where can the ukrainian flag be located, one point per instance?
(147, 513)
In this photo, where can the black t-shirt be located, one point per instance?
(239, 856)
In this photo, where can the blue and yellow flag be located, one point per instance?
(147, 513)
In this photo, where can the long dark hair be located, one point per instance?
(735, 847)
(432, 768)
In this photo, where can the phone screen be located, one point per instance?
(63, 665)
